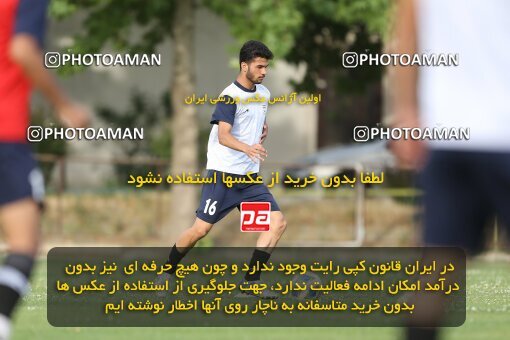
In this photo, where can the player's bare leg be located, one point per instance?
(189, 237)
(20, 224)
(268, 240)
(20, 221)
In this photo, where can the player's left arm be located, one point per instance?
(265, 131)
(255, 152)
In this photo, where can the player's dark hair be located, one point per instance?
(253, 49)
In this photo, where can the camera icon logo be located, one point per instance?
(361, 134)
(35, 133)
(52, 60)
(350, 59)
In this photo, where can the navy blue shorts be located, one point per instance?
(20, 177)
(218, 200)
(463, 191)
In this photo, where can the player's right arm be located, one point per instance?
(410, 154)
(255, 152)
(25, 50)
(405, 102)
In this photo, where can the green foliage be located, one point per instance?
(332, 28)
(374, 14)
(157, 140)
(57, 147)
(62, 8)
(279, 23)
(351, 96)
(112, 22)
(275, 22)
(44, 118)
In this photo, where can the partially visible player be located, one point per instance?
(466, 182)
(235, 148)
(22, 24)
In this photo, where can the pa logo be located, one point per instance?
(255, 216)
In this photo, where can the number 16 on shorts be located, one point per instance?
(255, 216)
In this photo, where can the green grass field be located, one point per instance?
(488, 317)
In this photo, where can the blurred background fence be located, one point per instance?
(116, 212)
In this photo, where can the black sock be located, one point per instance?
(421, 333)
(14, 276)
(174, 258)
(261, 257)
(9, 298)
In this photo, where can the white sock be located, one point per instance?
(5, 327)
